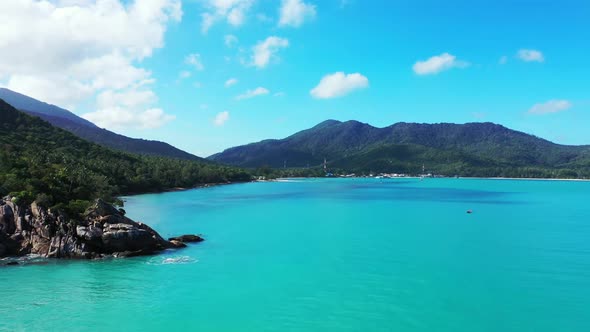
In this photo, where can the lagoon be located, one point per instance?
(332, 255)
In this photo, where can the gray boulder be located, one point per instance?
(187, 238)
(104, 231)
(7, 219)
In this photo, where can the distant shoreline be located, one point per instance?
(176, 189)
(528, 179)
(441, 177)
(209, 185)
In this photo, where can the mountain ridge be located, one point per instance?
(39, 161)
(85, 129)
(31, 105)
(358, 146)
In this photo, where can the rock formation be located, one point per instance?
(103, 231)
(187, 238)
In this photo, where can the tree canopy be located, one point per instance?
(39, 161)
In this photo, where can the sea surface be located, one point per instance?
(332, 255)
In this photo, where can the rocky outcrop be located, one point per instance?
(187, 238)
(104, 231)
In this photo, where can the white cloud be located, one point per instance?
(230, 40)
(551, 106)
(184, 74)
(259, 91)
(266, 50)
(195, 61)
(438, 63)
(339, 84)
(56, 90)
(235, 17)
(344, 3)
(233, 11)
(261, 17)
(230, 82)
(131, 108)
(503, 60)
(294, 12)
(77, 49)
(207, 23)
(118, 117)
(221, 118)
(530, 55)
(479, 115)
(131, 98)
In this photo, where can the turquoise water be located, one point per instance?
(332, 255)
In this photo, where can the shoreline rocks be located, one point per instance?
(187, 238)
(104, 231)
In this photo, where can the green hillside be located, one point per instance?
(38, 160)
(473, 149)
(85, 129)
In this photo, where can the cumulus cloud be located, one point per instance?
(259, 91)
(221, 118)
(233, 11)
(530, 55)
(53, 89)
(264, 51)
(438, 63)
(344, 3)
(230, 82)
(261, 17)
(551, 106)
(67, 52)
(184, 74)
(339, 84)
(131, 98)
(230, 40)
(118, 117)
(128, 109)
(293, 13)
(194, 60)
(208, 21)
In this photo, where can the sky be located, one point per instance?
(206, 75)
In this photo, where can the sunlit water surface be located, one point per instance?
(332, 255)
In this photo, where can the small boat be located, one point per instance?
(469, 211)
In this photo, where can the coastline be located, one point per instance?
(175, 189)
(435, 177)
(285, 179)
(31, 230)
(527, 179)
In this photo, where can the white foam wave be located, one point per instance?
(172, 260)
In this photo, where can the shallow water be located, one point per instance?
(332, 255)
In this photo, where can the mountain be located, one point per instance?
(41, 162)
(85, 129)
(463, 149)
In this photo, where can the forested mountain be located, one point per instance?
(85, 129)
(483, 149)
(40, 161)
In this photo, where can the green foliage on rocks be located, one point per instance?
(38, 160)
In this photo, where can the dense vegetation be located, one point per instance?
(39, 161)
(87, 130)
(473, 149)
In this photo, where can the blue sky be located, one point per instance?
(523, 64)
